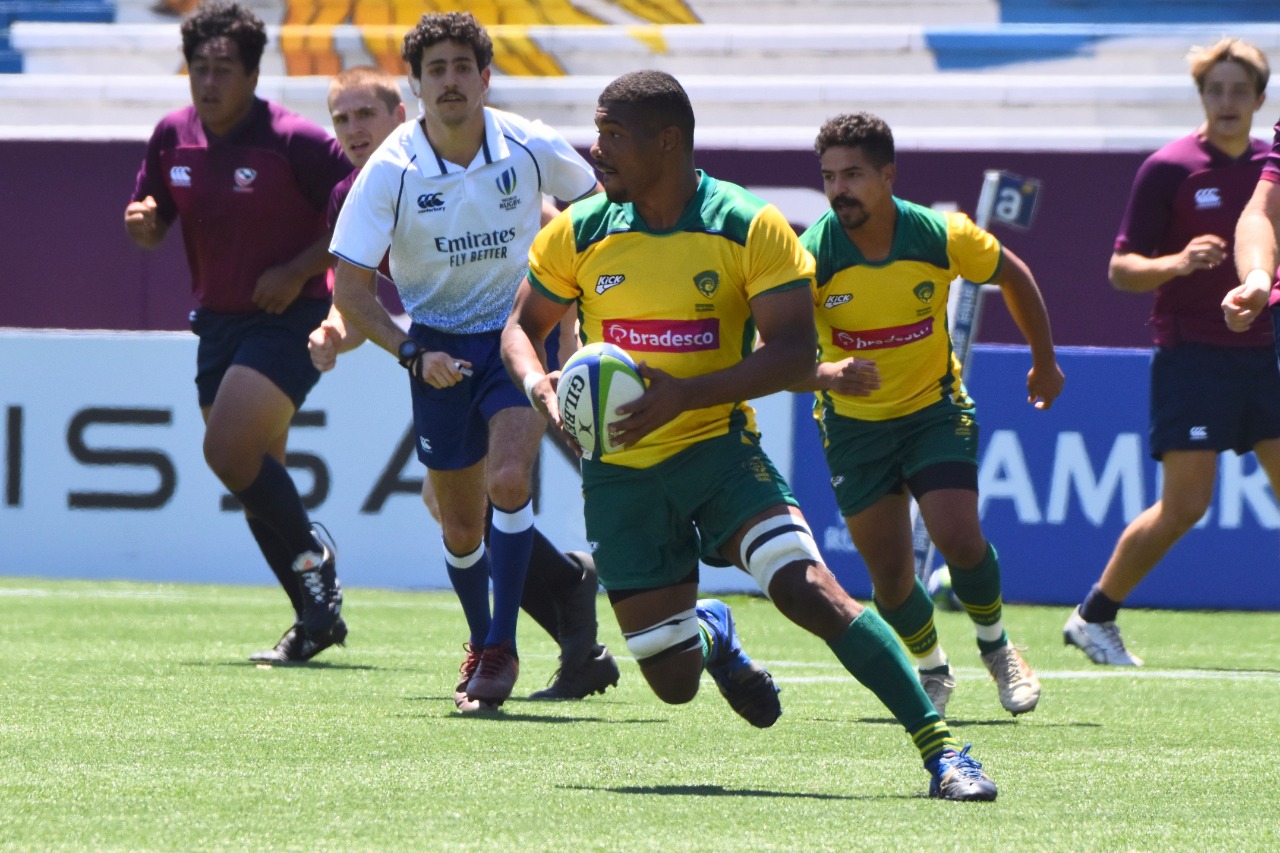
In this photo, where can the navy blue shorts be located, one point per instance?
(275, 345)
(452, 424)
(1206, 397)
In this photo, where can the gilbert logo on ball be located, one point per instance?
(594, 382)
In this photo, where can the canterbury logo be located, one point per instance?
(605, 282)
(1199, 433)
(180, 176)
(430, 201)
(1208, 197)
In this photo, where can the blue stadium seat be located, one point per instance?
(1136, 11)
(57, 11)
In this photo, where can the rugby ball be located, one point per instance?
(594, 382)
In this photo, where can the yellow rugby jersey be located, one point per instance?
(895, 311)
(677, 299)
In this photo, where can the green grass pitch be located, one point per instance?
(130, 719)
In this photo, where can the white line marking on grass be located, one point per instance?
(1128, 672)
(221, 597)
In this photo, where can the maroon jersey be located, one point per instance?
(387, 292)
(1271, 168)
(247, 201)
(1271, 172)
(1186, 189)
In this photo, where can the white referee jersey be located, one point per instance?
(459, 238)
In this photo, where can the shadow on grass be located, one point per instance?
(1234, 670)
(721, 791)
(510, 713)
(958, 723)
(303, 665)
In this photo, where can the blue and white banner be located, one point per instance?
(101, 476)
(1058, 487)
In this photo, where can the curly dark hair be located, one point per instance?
(657, 96)
(218, 19)
(460, 27)
(858, 130)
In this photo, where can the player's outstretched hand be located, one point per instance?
(855, 377)
(276, 289)
(544, 395)
(441, 370)
(1044, 384)
(1242, 305)
(142, 224)
(664, 398)
(323, 344)
(1203, 252)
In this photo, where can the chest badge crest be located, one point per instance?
(707, 282)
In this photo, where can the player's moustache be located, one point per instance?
(845, 201)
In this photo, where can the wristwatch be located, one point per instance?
(409, 350)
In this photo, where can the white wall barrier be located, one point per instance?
(101, 476)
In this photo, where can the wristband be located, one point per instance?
(530, 380)
(1258, 278)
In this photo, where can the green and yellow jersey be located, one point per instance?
(678, 299)
(895, 311)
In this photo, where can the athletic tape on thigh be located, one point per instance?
(671, 636)
(774, 543)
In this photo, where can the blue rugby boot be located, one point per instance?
(956, 776)
(746, 685)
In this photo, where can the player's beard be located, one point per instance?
(850, 212)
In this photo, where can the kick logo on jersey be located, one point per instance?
(244, 178)
(664, 335)
(180, 176)
(837, 300)
(707, 282)
(506, 184)
(894, 336)
(605, 282)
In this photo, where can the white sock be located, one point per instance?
(935, 659)
(989, 633)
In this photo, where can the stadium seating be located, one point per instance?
(12, 11)
(1030, 74)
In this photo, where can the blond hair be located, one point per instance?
(1202, 60)
(384, 85)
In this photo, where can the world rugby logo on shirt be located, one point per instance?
(244, 176)
(506, 184)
